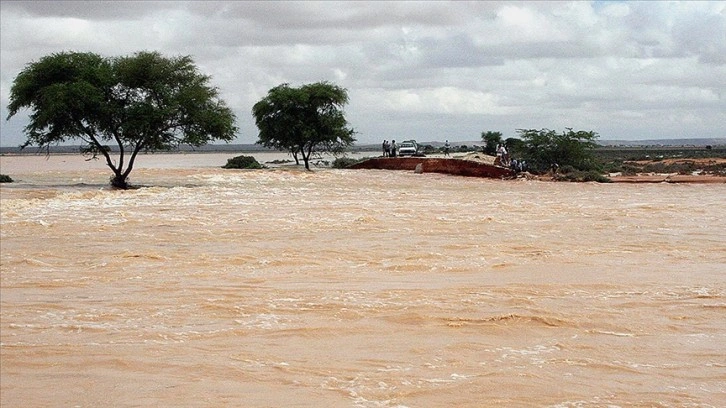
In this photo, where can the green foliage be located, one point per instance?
(343, 162)
(544, 148)
(306, 120)
(566, 169)
(242, 162)
(515, 147)
(4, 178)
(582, 176)
(143, 102)
(491, 140)
(594, 175)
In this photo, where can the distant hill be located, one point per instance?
(666, 142)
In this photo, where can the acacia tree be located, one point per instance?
(545, 147)
(139, 103)
(515, 147)
(491, 140)
(306, 120)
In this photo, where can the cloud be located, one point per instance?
(429, 70)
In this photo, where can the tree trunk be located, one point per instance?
(119, 181)
(306, 156)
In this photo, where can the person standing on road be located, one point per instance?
(447, 147)
(393, 148)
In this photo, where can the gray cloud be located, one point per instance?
(427, 70)
(87, 10)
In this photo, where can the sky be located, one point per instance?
(430, 71)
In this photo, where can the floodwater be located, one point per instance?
(365, 288)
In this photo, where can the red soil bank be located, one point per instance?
(435, 165)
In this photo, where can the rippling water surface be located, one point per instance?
(280, 287)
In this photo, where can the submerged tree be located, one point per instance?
(305, 120)
(545, 148)
(139, 103)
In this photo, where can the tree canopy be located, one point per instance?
(491, 140)
(544, 148)
(142, 102)
(306, 120)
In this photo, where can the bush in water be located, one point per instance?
(242, 162)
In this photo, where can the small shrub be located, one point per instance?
(617, 166)
(582, 176)
(595, 176)
(242, 162)
(343, 162)
(567, 169)
(630, 170)
(4, 178)
(685, 167)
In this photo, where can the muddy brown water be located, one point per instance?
(367, 288)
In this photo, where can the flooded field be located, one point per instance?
(368, 288)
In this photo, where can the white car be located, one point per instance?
(408, 148)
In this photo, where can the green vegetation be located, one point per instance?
(344, 162)
(144, 102)
(491, 140)
(515, 147)
(304, 121)
(4, 178)
(544, 148)
(569, 173)
(242, 162)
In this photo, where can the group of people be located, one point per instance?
(389, 148)
(502, 156)
(518, 165)
(503, 159)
